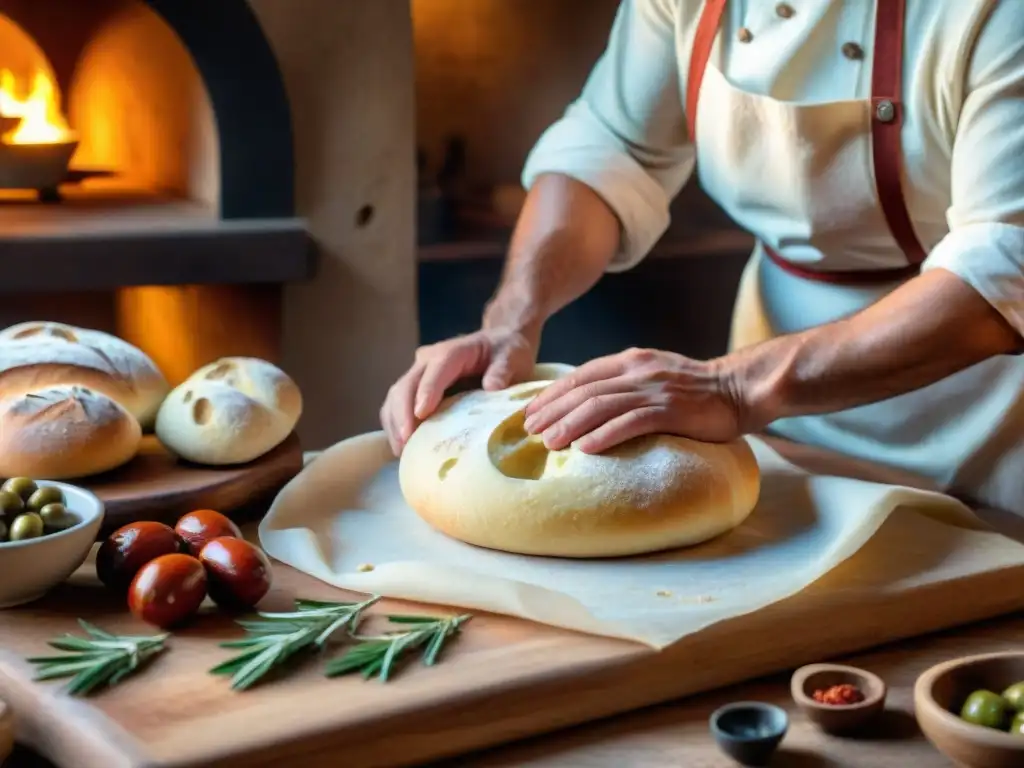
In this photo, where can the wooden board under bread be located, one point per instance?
(503, 679)
(156, 485)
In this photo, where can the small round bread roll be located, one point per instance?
(65, 432)
(473, 472)
(43, 354)
(231, 411)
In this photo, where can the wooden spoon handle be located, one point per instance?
(6, 732)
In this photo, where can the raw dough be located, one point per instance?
(473, 472)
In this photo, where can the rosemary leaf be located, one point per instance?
(73, 644)
(97, 661)
(268, 626)
(433, 649)
(275, 637)
(412, 619)
(380, 655)
(54, 671)
(95, 631)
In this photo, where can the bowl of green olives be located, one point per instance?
(972, 709)
(46, 531)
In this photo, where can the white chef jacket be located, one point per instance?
(963, 137)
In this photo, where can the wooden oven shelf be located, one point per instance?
(98, 240)
(700, 244)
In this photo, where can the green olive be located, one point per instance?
(48, 494)
(56, 517)
(26, 526)
(1015, 696)
(3, 530)
(987, 709)
(10, 504)
(1017, 725)
(23, 486)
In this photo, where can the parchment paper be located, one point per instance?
(345, 509)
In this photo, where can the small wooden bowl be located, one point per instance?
(940, 692)
(843, 718)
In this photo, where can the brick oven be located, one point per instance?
(210, 177)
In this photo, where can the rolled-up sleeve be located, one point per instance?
(625, 136)
(985, 244)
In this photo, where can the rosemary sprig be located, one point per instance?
(98, 659)
(277, 637)
(379, 655)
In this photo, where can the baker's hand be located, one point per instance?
(637, 392)
(501, 357)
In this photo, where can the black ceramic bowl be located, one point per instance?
(749, 731)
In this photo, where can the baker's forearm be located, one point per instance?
(926, 330)
(564, 240)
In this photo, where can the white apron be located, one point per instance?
(761, 157)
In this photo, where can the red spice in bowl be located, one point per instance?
(839, 695)
(838, 699)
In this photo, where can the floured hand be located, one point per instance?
(501, 357)
(637, 392)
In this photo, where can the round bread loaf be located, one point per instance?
(39, 354)
(473, 472)
(231, 411)
(65, 432)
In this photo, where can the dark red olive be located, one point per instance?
(130, 547)
(239, 574)
(168, 590)
(203, 525)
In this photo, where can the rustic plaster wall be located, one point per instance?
(348, 68)
(498, 72)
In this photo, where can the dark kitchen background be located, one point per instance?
(491, 75)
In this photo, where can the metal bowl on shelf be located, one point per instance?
(35, 166)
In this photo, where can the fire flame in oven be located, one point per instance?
(40, 118)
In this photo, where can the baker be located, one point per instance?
(876, 152)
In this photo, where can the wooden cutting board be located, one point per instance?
(156, 485)
(503, 679)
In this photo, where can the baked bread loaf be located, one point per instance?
(64, 432)
(472, 472)
(43, 354)
(231, 411)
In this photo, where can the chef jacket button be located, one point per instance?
(853, 51)
(885, 111)
(744, 35)
(785, 10)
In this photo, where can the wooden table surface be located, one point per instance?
(677, 735)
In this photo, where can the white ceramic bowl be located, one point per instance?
(31, 568)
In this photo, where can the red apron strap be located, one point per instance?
(703, 42)
(886, 121)
(843, 276)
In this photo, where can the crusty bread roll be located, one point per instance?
(229, 412)
(64, 432)
(472, 472)
(42, 354)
